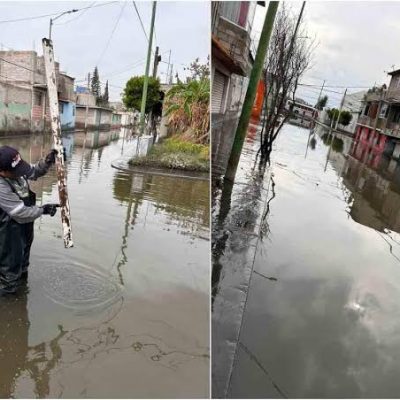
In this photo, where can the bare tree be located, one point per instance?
(289, 56)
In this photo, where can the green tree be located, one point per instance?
(132, 96)
(321, 103)
(106, 95)
(345, 116)
(95, 85)
(199, 71)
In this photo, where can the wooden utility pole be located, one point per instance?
(340, 109)
(255, 76)
(169, 67)
(51, 80)
(146, 75)
(157, 59)
(320, 93)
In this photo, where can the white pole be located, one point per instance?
(56, 132)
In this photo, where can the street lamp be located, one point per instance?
(58, 16)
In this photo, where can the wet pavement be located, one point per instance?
(307, 299)
(125, 313)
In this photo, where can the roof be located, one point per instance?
(395, 72)
(101, 108)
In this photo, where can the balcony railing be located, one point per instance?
(365, 120)
(393, 129)
(369, 121)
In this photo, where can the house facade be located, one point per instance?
(378, 126)
(89, 116)
(23, 94)
(301, 113)
(231, 55)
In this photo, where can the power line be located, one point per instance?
(16, 65)
(51, 15)
(78, 16)
(140, 19)
(112, 33)
(337, 87)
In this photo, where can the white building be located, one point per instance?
(303, 113)
(353, 103)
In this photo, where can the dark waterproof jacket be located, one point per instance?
(17, 213)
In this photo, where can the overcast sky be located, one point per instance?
(81, 41)
(358, 41)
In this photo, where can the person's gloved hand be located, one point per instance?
(51, 157)
(50, 209)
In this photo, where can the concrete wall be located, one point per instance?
(15, 109)
(116, 120)
(23, 105)
(97, 118)
(85, 99)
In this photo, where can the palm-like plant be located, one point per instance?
(188, 109)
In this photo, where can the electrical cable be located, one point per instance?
(140, 19)
(78, 16)
(16, 65)
(112, 33)
(51, 15)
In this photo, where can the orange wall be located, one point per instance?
(258, 103)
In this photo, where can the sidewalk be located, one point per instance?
(237, 226)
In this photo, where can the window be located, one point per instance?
(61, 108)
(73, 111)
(37, 99)
(244, 10)
(384, 111)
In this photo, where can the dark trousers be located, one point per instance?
(15, 245)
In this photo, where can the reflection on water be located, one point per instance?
(125, 312)
(326, 325)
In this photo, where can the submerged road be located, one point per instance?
(125, 312)
(307, 298)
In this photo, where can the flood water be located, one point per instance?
(125, 312)
(309, 260)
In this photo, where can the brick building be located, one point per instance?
(23, 99)
(378, 126)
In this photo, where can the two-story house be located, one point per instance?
(23, 94)
(231, 52)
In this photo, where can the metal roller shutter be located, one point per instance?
(218, 91)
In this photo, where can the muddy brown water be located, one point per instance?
(125, 313)
(312, 272)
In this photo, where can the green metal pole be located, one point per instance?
(251, 90)
(146, 75)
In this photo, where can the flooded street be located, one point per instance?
(125, 313)
(307, 294)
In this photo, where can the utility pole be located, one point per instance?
(169, 64)
(58, 16)
(320, 93)
(157, 59)
(340, 109)
(251, 90)
(146, 75)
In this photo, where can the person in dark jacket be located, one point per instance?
(18, 210)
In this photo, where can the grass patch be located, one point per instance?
(174, 153)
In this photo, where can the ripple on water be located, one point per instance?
(78, 286)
